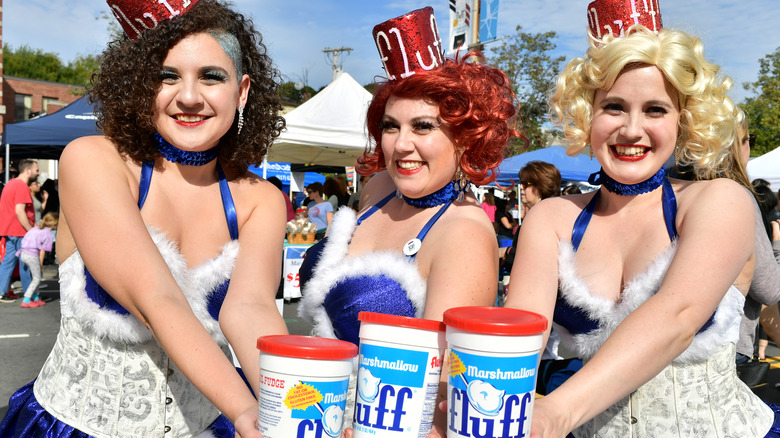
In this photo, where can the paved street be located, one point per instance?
(27, 335)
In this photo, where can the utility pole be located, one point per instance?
(335, 53)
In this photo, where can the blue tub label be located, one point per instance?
(489, 396)
(396, 391)
(301, 409)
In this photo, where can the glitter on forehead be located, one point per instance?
(232, 49)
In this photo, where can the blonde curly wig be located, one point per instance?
(708, 117)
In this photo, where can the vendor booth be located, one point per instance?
(576, 168)
(328, 129)
(45, 137)
(766, 167)
(292, 181)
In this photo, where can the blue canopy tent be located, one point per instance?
(284, 172)
(576, 168)
(46, 136)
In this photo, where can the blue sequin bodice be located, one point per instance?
(336, 287)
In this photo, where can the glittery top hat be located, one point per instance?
(136, 15)
(409, 43)
(616, 16)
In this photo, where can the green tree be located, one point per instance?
(527, 60)
(763, 109)
(80, 70)
(288, 91)
(26, 62)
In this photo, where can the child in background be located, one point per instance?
(35, 243)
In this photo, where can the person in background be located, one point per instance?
(335, 193)
(35, 192)
(49, 197)
(35, 244)
(489, 205)
(170, 248)
(436, 131)
(50, 203)
(538, 180)
(320, 211)
(571, 189)
(354, 199)
(637, 277)
(16, 217)
(278, 184)
(506, 221)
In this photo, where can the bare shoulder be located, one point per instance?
(99, 155)
(251, 189)
(557, 214)
(714, 194)
(91, 149)
(467, 221)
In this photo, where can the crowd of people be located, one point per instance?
(658, 302)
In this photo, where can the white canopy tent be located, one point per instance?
(328, 129)
(767, 167)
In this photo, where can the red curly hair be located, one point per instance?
(477, 103)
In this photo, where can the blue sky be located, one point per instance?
(736, 34)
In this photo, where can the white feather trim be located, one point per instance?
(333, 267)
(196, 284)
(609, 314)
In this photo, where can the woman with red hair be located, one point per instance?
(421, 242)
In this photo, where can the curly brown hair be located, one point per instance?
(125, 87)
(474, 99)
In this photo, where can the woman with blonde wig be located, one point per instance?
(641, 278)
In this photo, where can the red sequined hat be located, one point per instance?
(616, 16)
(136, 15)
(409, 43)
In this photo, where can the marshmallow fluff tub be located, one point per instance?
(303, 386)
(399, 368)
(493, 359)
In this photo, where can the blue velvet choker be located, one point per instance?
(613, 186)
(187, 158)
(439, 197)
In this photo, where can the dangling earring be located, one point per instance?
(240, 119)
(398, 194)
(590, 151)
(463, 184)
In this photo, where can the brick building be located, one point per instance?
(26, 98)
(21, 98)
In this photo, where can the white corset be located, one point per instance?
(701, 399)
(108, 377)
(114, 390)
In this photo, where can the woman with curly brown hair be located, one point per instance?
(421, 243)
(169, 248)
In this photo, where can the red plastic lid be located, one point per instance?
(495, 321)
(307, 347)
(401, 321)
